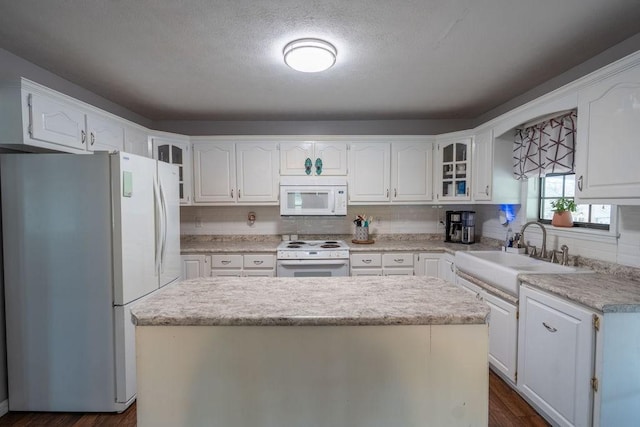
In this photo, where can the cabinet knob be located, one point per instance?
(93, 138)
(387, 192)
(395, 192)
(258, 262)
(84, 136)
(486, 190)
(580, 183)
(225, 262)
(398, 260)
(549, 328)
(366, 261)
(232, 193)
(239, 195)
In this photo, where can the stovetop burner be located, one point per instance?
(329, 246)
(293, 246)
(297, 242)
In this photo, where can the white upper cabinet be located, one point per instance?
(257, 172)
(104, 134)
(411, 171)
(35, 116)
(369, 172)
(492, 169)
(227, 172)
(391, 171)
(214, 167)
(56, 122)
(176, 150)
(607, 146)
(324, 158)
(453, 170)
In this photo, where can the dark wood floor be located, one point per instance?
(506, 409)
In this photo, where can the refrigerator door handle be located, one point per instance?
(158, 228)
(163, 199)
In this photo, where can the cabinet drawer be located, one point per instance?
(259, 261)
(226, 261)
(397, 260)
(366, 260)
(366, 272)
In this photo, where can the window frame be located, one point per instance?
(576, 224)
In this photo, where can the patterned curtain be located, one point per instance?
(546, 147)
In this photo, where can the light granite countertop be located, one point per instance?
(601, 292)
(244, 244)
(335, 301)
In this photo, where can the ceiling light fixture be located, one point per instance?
(310, 55)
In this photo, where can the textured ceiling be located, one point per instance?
(222, 60)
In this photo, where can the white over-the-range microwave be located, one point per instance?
(306, 195)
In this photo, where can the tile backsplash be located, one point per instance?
(233, 220)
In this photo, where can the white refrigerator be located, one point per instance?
(85, 238)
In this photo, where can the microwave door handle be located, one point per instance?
(332, 201)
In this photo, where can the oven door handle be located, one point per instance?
(305, 262)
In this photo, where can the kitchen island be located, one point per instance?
(368, 351)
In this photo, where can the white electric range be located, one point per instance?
(312, 258)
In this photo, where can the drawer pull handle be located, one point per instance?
(549, 328)
(225, 262)
(486, 190)
(366, 261)
(580, 183)
(258, 262)
(398, 260)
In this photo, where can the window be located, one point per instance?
(554, 186)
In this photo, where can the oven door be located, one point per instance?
(312, 268)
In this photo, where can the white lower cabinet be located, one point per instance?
(194, 266)
(427, 264)
(447, 268)
(503, 329)
(556, 357)
(397, 264)
(366, 264)
(259, 265)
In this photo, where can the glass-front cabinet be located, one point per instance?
(177, 153)
(454, 171)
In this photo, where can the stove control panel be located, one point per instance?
(312, 254)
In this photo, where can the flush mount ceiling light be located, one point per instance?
(310, 55)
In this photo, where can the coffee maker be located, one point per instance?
(460, 227)
(468, 227)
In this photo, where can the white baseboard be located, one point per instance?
(4, 407)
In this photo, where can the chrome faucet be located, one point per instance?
(543, 253)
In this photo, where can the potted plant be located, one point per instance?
(562, 209)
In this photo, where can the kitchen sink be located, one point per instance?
(501, 269)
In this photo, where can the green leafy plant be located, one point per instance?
(563, 204)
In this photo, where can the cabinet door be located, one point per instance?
(257, 172)
(136, 141)
(194, 266)
(333, 156)
(607, 142)
(57, 122)
(104, 134)
(454, 170)
(214, 172)
(555, 356)
(293, 156)
(446, 269)
(503, 335)
(411, 171)
(177, 153)
(482, 151)
(369, 172)
(427, 264)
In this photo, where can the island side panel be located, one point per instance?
(310, 375)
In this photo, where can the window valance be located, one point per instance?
(546, 147)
